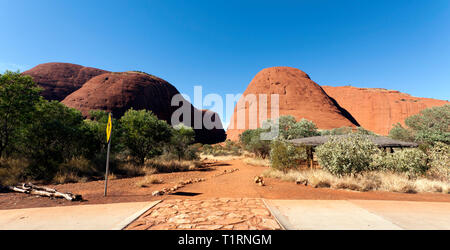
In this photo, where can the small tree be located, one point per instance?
(144, 135)
(398, 132)
(18, 96)
(347, 155)
(429, 126)
(285, 155)
(53, 137)
(182, 137)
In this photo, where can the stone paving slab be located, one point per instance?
(210, 214)
(81, 217)
(360, 214)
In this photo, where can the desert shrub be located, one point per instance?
(192, 152)
(429, 126)
(291, 129)
(144, 135)
(229, 149)
(337, 131)
(182, 137)
(398, 132)
(53, 137)
(412, 162)
(346, 155)
(252, 142)
(285, 155)
(12, 171)
(346, 130)
(439, 164)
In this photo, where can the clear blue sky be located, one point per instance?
(221, 45)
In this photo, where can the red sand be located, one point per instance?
(238, 184)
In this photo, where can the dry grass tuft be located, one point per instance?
(379, 180)
(220, 157)
(147, 180)
(12, 171)
(256, 161)
(169, 166)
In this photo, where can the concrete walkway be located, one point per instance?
(114, 216)
(360, 214)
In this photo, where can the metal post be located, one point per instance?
(107, 168)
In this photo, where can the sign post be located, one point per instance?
(108, 140)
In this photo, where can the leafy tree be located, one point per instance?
(144, 135)
(338, 131)
(431, 125)
(182, 137)
(18, 96)
(54, 136)
(303, 128)
(398, 132)
(251, 141)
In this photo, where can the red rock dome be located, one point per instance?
(379, 109)
(299, 96)
(118, 92)
(61, 79)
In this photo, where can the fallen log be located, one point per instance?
(29, 188)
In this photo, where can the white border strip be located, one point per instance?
(276, 214)
(122, 225)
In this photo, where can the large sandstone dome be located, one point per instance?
(299, 96)
(379, 109)
(61, 79)
(118, 92)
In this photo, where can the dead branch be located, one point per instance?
(29, 188)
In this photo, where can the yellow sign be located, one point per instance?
(108, 129)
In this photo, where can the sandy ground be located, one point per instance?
(238, 184)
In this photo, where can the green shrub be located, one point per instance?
(251, 141)
(398, 132)
(412, 162)
(144, 135)
(429, 126)
(54, 136)
(182, 137)
(347, 155)
(285, 156)
(439, 163)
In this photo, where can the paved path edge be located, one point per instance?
(125, 223)
(281, 220)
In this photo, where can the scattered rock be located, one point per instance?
(301, 182)
(158, 193)
(259, 180)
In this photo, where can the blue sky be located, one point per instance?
(221, 45)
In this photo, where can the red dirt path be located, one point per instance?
(238, 184)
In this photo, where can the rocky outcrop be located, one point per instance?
(61, 79)
(299, 96)
(379, 109)
(118, 92)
